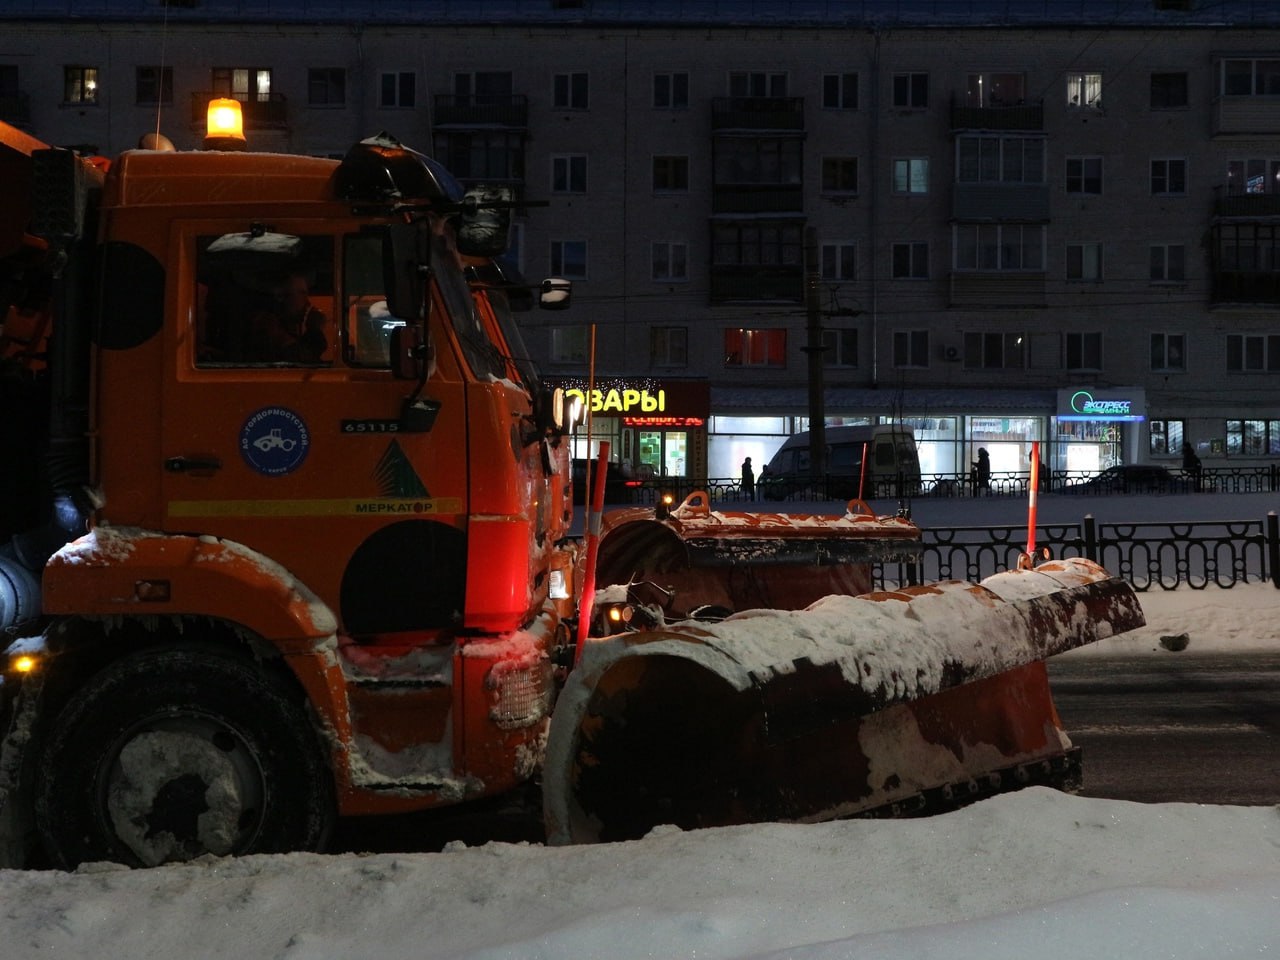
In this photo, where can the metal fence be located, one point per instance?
(1151, 556)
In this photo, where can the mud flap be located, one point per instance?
(847, 708)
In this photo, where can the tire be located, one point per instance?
(174, 753)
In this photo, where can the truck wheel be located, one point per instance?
(171, 754)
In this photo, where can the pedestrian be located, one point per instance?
(982, 471)
(1191, 464)
(748, 480)
(1043, 485)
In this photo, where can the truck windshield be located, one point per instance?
(482, 356)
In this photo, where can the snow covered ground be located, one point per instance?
(1032, 874)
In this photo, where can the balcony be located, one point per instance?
(1021, 116)
(482, 110)
(1241, 287)
(1006, 202)
(757, 283)
(269, 111)
(997, 288)
(757, 198)
(1246, 115)
(757, 113)
(1248, 205)
(15, 108)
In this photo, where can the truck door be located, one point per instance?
(281, 425)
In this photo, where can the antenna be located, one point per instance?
(164, 40)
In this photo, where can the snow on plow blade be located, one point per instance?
(885, 702)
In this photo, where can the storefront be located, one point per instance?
(950, 426)
(1099, 427)
(655, 427)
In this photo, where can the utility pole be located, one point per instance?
(815, 349)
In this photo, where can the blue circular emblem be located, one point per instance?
(274, 441)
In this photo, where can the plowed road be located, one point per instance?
(1174, 727)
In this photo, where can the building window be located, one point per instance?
(911, 90)
(1250, 78)
(911, 348)
(399, 89)
(246, 84)
(1248, 247)
(1168, 263)
(670, 261)
(840, 347)
(999, 160)
(1084, 175)
(995, 90)
(839, 261)
(1084, 261)
(569, 174)
(1168, 177)
(1254, 175)
(910, 261)
(1253, 438)
(326, 86)
(153, 85)
(483, 88)
(758, 160)
(671, 91)
(995, 351)
(990, 246)
(569, 259)
(911, 175)
(569, 344)
(757, 245)
(839, 174)
(840, 91)
(482, 154)
(79, 84)
(1084, 90)
(671, 174)
(757, 84)
(755, 348)
(1166, 437)
(669, 346)
(1168, 351)
(1253, 353)
(1168, 90)
(569, 91)
(1084, 351)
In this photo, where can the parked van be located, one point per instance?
(893, 466)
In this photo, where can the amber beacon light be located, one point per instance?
(224, 128)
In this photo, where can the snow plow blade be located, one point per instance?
(885, 703)
(740, 561)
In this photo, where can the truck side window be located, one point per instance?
(264, 300)
(368, 322)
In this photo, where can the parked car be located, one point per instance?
(619, 486)
(1129, 478)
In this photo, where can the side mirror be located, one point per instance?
(404, 269)
(555, 293)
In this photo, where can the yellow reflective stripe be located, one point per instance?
(387, 506)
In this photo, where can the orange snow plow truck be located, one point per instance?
(284, 537)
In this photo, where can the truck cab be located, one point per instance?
(310, 443)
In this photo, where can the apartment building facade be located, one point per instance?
(998, 221)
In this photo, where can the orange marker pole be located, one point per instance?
(862, 473)
(1031, 499)
(594, 515)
